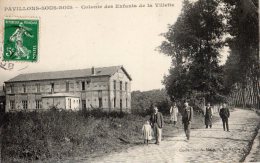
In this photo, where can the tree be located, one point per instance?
(232, 71)
(194, 42)
(143, 102)
(243, 26)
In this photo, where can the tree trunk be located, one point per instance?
(256, 93)
(244, 97)
(251, 94)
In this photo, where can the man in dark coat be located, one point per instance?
(157, 124)
(224, 114)
(187, 118)
(208, 116)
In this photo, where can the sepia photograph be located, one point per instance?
(136, 81)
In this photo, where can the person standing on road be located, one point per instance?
(187, 118)
(147, 132)
(208, 116)
(174, 113)
(224, 114)
(157, 125)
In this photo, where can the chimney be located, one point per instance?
(93, 71)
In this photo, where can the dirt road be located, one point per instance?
(205, 145)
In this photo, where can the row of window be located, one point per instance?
(100, 103)
(25, 104)
(24, 88)
(52, 87)
(121, 103)
(120, 85)
(74, 101)
(38, 103)
(83, 86)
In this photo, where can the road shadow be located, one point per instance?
(138, 143)
(211, 129)
(247, 124)
(176, 140)
(232, 139)
(170, 136)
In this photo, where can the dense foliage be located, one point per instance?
(194, 42)
(143, 102)
(243, 65)
(63, 134)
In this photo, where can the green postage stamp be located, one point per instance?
(21, 40)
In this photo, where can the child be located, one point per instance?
(174, 113)
(147, 132)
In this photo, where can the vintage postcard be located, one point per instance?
(129, 81)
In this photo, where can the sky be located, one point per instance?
(82, 38)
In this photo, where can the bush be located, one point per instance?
(142, 102)
(59, 134)
(142, 113)
(99, 113)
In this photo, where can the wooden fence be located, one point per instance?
(247, 96)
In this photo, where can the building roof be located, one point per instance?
(99, 71)
(59, 95)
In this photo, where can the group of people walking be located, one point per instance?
(223, 113)
(156, 122)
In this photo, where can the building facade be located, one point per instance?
(108, 88)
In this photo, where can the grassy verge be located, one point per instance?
(256, 152)
(64, 135)
(60, 135)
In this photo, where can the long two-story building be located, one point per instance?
(108, 88)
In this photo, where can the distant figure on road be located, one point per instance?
(174, 113)
(224, 114)
(147, 132)
(187, 118)
(157, 125)
(208, 116)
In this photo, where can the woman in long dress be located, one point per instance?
(208, 116)
(174, 113)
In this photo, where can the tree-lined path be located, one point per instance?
(205, 145)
